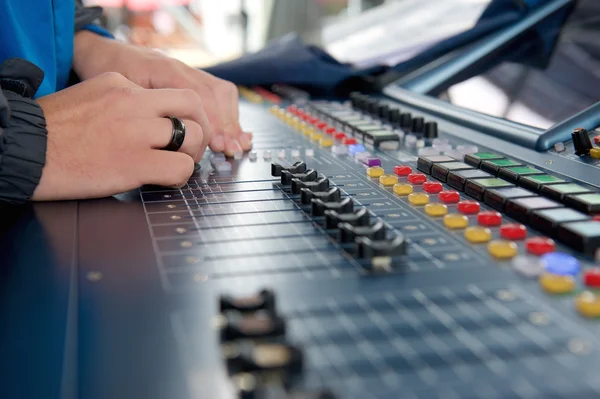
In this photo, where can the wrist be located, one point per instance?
(91, 54)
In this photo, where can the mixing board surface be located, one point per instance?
(346, 257)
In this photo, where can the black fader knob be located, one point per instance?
(344, 206)
(406, 121)
(287, 176)
(331, 195)
(373, 107)
(355, 98)
(361, 217)
(394, 117)
(431, 130)
(261, 324)
(348, 232)
(249, 357)
(368, 248)
(581, 141)
(298, 167)
(321, 184)
(264, 300)
(418, 125)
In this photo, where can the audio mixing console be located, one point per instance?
(365, 249)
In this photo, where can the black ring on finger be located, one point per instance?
(178, 134)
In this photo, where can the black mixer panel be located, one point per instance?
(361, 251)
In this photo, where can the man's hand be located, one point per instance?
(94, 55)
(105, 136)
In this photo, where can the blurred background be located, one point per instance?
(369, 32)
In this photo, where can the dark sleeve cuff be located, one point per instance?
(23, 156)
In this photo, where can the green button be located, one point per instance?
(544, 179)
(524, 170)
(486, 155)
(591, 199)
(487, 183)
(504, 162)
(570, 188)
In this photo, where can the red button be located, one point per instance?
(330, 131)
(417, 178)
(591, 277)
(349, 141)
(489, 218)
(540, 245)
(402, 170)
(432, 187)
(292, 109)
(339, 136)
(596, 218)
(321, 125)
(449, 197)
(468, 206)
(597, 139)
(513, 231)
(314, 121)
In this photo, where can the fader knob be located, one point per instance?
(373, 107)
(251, 357)
(368, 248)
(298, 167)
(321, 184)
(344, 206)
(406, 121)
(383, 111)
(394, 117)
(360, 217)
(418, 125)
(309, 175)
(331, 195)
(431, 130)
(355, 98)
(581, 141)
(348, 232)
(264, 300)
(261, 324)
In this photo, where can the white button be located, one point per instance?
(309, 152)
(527, 265)
(360, 156)
(295, 153)
(252, 155)
(428, 151)
(467, 149)
(455, 154)
(267, 155)
(281, 154)
(559, 147)
(443, 148)
(410, 141)
(438, 142)
(223, 167)
(339, 149)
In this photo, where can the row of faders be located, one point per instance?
(253, 344)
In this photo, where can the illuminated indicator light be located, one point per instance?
(418, 198)
(315, 136)
(468, 207)
(513, 231)
(478, 234)
(375, 171)
(349, 141)
(456, 221)
(591, 277)
(432, 187)
(595, 152)
(436, 209)
(557, 284)
(489, 218)
(588, 304)
(388, 180)
(325, 142)
(561, 264)
(540, 245)
(501, 249)
(403, 189)
(402, 170)
(417, 178)
(449, 197)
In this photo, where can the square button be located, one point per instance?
(476, 188)
(424, 163)
(457, 179)
(581, 236)
(494, 165)
(478, 157)
(557, 192)
(521, 208)
(588, 203)
(535, 182)
(548, 220)
(496, 198)
(440, 170)
(514, 173)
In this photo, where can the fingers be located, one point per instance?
(160, 131)
(166, 168)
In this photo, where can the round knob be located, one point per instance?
(418, 125)
(406, 120)
(394, 116)
(431, 130)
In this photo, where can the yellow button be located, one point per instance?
(418, 198)
(595, 152)
(326, 142)
(388, 180)
(478, 234)
(557, 284)
(274, 109)
(588, 304)
(316, 136)
(456, 221)
(403, 189)
(436, 209)
(375, 171)
(503, 249)
(305, 129)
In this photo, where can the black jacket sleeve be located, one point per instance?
(23, 135)
(85, 15)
